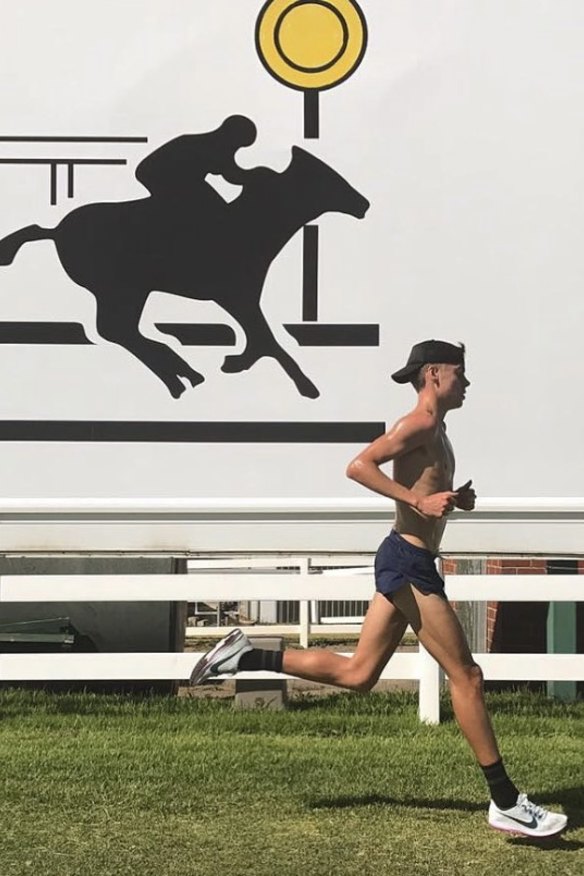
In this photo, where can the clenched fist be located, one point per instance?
(437, 504)
(466, 497)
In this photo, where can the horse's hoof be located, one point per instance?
(177, 389)
(233, 365)
(309, 390)
(194, 378)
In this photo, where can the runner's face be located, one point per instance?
(453, 384)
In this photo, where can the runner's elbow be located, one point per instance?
(355, 470)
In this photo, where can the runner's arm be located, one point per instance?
(410, 433)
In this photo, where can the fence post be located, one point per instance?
(429, 690)
(304, 618)
(304, 608)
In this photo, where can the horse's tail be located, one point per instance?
(10, 245)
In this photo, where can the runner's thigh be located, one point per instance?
(437, 627)
(382, 631)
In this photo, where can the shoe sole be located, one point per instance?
(532, 834)
(198, 674)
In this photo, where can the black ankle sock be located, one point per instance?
(257, 658)
(502, 789)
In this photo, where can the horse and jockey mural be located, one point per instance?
(186, 239)
(183, 239)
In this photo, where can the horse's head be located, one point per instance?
(328, 189)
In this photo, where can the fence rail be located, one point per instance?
(277, 586)
(304, 587)
(175, 527)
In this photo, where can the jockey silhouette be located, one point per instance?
(177, 170)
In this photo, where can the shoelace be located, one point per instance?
(532, 808)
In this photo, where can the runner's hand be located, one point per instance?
(437, 504)
(466, 497)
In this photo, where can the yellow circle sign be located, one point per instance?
(311, 44)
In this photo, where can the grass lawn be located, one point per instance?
(348, 785)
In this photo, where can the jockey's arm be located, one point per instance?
(232, 173)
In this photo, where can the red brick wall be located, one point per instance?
(449, 566)
(516, 566)
(507, 566)
(519, 627)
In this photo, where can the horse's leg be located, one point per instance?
(261, 342)
(118, 316)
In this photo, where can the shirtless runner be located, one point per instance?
(409, 589)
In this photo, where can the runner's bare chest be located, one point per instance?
(439, 464)
(429, 468)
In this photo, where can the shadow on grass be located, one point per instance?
(552, 843)
(382, 800)
(516, 703)
(572, 802)
(569, 798)
(355, 702)
(521, 702)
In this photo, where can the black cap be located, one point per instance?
(429, 353)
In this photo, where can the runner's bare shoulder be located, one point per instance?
(409, 433)
(415, 428)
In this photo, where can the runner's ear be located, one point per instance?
(433, 372)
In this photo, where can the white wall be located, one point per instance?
(463, 126)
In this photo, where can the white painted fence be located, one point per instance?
(176, 527)
(286, 586)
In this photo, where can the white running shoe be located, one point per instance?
(223, 658)
(526, 818)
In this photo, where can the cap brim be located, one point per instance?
(404, 375)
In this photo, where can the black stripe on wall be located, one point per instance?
(190, 433)
(70, 333)
(330, 335)
(33, 139)
(195, 334)
(199, 334)
(310, 273)
(42, 333)
(54, 161)
(311, 114)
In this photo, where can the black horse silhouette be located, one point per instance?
(189, 241)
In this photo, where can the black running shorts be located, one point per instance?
(398, 562)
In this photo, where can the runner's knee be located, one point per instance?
(361, 678)
(469, 676)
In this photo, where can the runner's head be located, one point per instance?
(440, 364)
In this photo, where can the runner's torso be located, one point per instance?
(427, 469)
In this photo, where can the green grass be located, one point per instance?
(343, 785)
